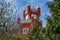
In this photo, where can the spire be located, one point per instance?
(38, 10)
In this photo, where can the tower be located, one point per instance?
(30, 15)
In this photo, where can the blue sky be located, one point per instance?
(22, 4)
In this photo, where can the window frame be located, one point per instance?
(25, 30)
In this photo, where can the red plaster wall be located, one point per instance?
(25, 25)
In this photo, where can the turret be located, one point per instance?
(18, 20)
(38, 11)
(24, 14)
(28, 8)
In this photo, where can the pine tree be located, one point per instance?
(53, 22)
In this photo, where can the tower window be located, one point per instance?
(34, 16)
(25, 30)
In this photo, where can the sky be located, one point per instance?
(22, 4)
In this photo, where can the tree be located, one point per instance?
(53, 22)
(37, 31)
(7, 21)
(16, 38)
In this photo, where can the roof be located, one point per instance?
(25, 21)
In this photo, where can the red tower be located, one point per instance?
(30, 15)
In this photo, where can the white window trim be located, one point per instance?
(26, 32)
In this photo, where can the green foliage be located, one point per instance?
(36, 33)
(12, 38)
(53, 22)
(16, 38)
